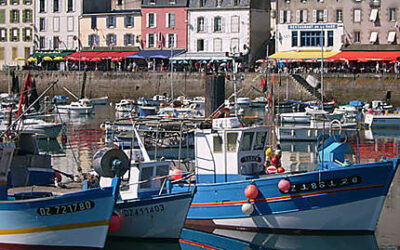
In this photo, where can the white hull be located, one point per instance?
(382, 120)
(93, 237)
(80, 111)
(158, 219)
(355, 216)
(47, 131)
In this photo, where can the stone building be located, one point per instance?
(164, 24)
(56, 23)
(16, 31)
(217, 26)
(126, 4)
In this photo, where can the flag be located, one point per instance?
(22, 98)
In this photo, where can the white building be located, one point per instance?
(229, 26)
(16, 33)
(57, 23)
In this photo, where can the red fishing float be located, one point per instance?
(115, 223)
(251, 191)
(280, 169)
(275, 160)
(284, 185)
(177, 174)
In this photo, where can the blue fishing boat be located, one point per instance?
(336, 196)
(145, 208)
(42, 219)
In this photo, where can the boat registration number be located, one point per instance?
(325, 184)
(65, 209)
(143, 210)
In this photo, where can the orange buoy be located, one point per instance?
(275, 160)
(284, 185)
(251, 191)
(280, 169)
(115, 223)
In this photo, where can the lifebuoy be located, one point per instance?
(224, 111)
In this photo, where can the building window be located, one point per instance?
(42, 6)
(152, 1)
(56, 6)
(339, 15)
(200, 45)
(56, 42)
(3, 2)
(217, 24)
(236, 2)
(200, 24)
(330, 38)
(151, 40)
(170, 20)
(27, 16)
(14, 16)
(27, 35)
(357, 36)
(119, 2)
(201, 3)
(70, 24)
(56, 24)
(295, 38)
(392, 14)
(217, 45)
(357, 15)
(14, 2)
(93, 40)
(27, 2)
(93, 23)
(14, 51)
(42, 24)
(42, 42)
(235, 24)
(285, 16)
(151, 20)
(3, 34)
(218, 3)
(70, 6)
(310, 38)
(111, 40)
(129, 40)
(111, 22)
(171, 40)
(14, 35)
(234, 44)
(172, 2)
(129, 21)
(320, 16)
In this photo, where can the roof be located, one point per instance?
(162, 54)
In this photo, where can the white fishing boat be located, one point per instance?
(81, 107)
(125, 105)
(42, 128)
(382, 120)
(307, 116)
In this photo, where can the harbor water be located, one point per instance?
(85, 138)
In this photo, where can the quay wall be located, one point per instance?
(117, 85)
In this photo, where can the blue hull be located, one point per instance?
(311, 203)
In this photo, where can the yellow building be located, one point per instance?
(117, 29)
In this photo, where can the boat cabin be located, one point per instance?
(228, 152)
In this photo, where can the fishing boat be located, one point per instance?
(234, 191)
(39, 219)
(382, 120)
(146, 208)
(99, 100)
(125, 105)
(81, 107)
(42, 128)
(308, 115)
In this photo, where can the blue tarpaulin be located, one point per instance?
(161, 54)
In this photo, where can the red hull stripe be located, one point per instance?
(286, 197)
(198, 244)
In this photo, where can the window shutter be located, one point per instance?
(132, 39)
(305, 16)
(205, 25)
(297, 16)
(166, 20)
(114, 40)
(325, 15)
(96, 40)
(125, 21)
(147, 40)
(155, 20)
(147, 21)
(222, 24)
(314, 16)
(114, 21)
(90, 40)
(175, 41)
(125, 39)
(11, 20)
(289, 16)
(133, 21)
(23, 16)
(24, 34)
(281, 16)
(108, 22)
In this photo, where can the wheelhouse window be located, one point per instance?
(217, 144)
(231, 142)
(146, 175)
(260, 141)
(247, 141)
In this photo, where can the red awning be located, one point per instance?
(96, 55)
(365, 56)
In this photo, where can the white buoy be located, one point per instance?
(247, 208)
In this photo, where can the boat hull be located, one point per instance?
(73, 220)
(342, 199)
(157, 217)
(382, 121)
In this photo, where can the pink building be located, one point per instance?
(164, 24)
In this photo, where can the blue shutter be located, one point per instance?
(94, 22)
(108, 22)
(96, 40)
(125, 21)
(133, 21)
(90, 40)
(126, 39)
(115, 21)
(115, 40)
(132, 39)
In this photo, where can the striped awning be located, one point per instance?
(301, 56)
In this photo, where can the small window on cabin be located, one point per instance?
(260, 141)
(247, 141)
(162, 170)
(217, 143)
(145, 177)
(231, 141)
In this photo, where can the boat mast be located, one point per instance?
(322, 66)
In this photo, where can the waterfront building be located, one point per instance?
(16, 31)
(164, 24)
(217, 27)
(118, 29)
(126, 4)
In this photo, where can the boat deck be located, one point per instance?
(69, 188)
